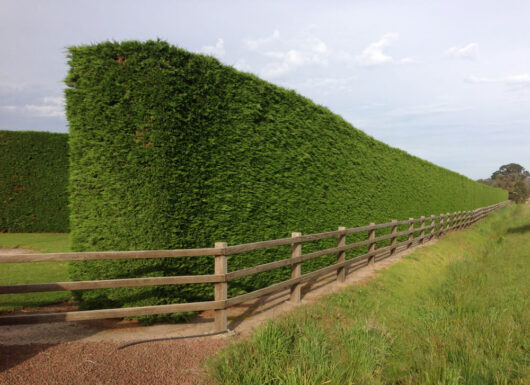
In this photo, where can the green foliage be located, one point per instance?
(171, 149)
(509, 169)
(513, 178)
(33, 179)
(520, 192)
(452, 313)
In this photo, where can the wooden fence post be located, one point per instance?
(441, 229)
(451, 221)
(394, 239)
(371, 237)
(422, 233)
(433, 225)
(221, 289)
(411, 235)
(296, 270)
(341, 256)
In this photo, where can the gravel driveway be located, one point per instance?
(166, 362)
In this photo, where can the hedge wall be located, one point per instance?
(33, 182)
(171, 149)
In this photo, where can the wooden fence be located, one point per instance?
(429, 227)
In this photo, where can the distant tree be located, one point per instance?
(520, 192)
(512, 177)
(488, 181)
(512, 169)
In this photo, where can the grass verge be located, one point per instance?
(456, 312)
(20, 273)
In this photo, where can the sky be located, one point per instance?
(447, 81)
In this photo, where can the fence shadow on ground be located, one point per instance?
(520, 229)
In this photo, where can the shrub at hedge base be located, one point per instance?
(33, 179)
(171, 149)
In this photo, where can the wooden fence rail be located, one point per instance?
(436, 226)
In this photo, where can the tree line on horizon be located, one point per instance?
(511, 177)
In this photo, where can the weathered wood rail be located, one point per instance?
(437, 225)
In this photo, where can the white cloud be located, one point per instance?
(256, 44)
(514, 81)
(51, 107)
(273, 70)
(522, 79)
(478, 79)
(242, 65)
(45, 110)
(428, 109)
(274, 54)
(328, 84)
(55, 100)
(288, 55)
(372, 106)
(217, 50)
(469, 52)
(310, 52)
(373, 54)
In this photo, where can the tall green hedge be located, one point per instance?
(33, 182)
(171, 149)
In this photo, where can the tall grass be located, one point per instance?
(456, 312)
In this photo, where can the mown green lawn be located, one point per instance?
(19, 273)
(456, 312)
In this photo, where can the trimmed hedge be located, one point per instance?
(171, 149)
(33, 182)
